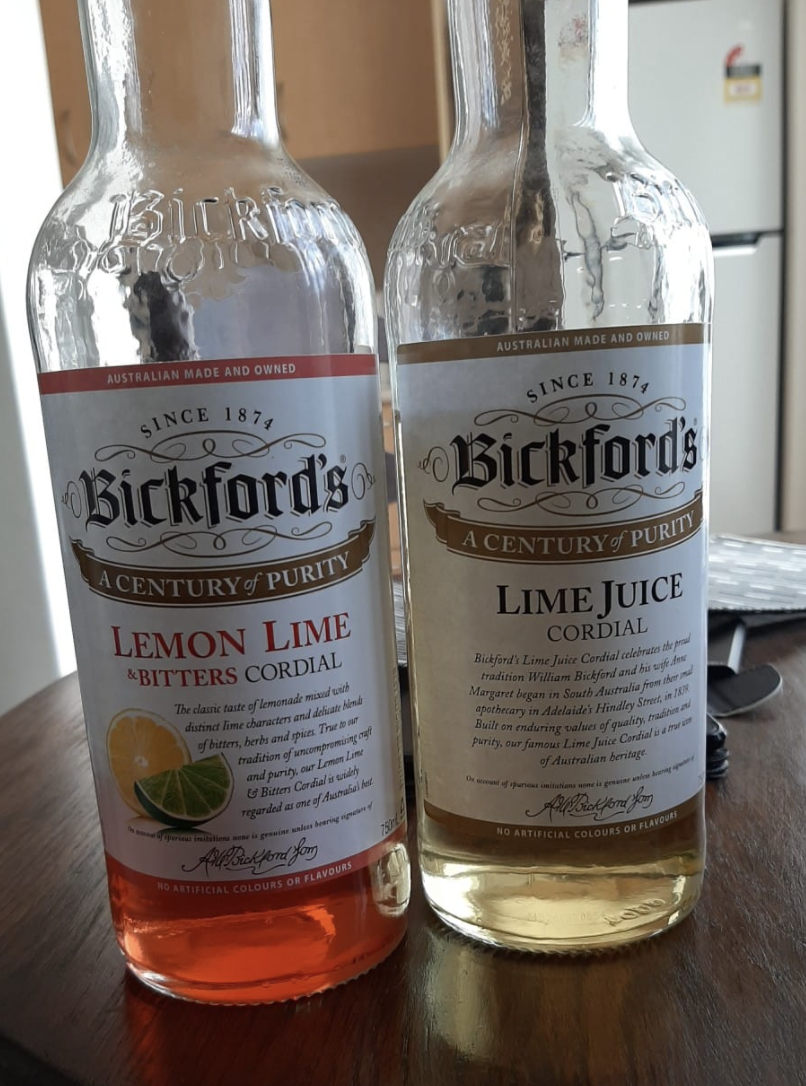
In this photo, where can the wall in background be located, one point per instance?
(35, 639)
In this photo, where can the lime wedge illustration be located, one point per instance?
(189, 795)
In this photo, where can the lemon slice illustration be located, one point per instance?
(140, 744)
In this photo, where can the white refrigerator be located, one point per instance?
(707, 99)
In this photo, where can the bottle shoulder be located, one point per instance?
(171, 197)
(243, 256)
(591, 230)
(478, 184)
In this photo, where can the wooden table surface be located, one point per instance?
(719, 1001)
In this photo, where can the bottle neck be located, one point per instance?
(175, 72)
(540, 65)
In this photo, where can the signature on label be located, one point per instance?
(259, 862)
(580, 805)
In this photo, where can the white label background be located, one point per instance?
(506, 755)
(352, 745)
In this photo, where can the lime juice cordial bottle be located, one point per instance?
(203, 322)
(548, 302)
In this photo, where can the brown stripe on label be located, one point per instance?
(564, 832)
(552, 343)
(525, 545)
(218, 586)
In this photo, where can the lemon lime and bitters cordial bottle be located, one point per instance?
(548, 300)
(203, 321)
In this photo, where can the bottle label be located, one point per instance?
(557, 562)
(226, 553)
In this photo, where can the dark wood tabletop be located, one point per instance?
(719, 1001)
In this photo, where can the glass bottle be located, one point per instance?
(203, 321)
(548, 305)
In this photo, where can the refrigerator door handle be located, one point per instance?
(745, 240)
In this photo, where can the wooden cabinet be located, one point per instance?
(68, 87)
(355, 76)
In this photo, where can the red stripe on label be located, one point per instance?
(229, 371)
(247, 890)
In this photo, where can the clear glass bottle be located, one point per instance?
(203, 321)
(548, 305)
